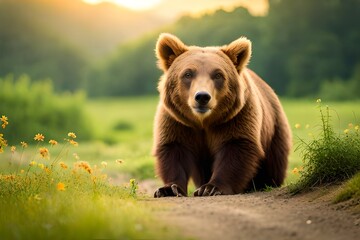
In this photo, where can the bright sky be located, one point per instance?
(132, 4)
(171, 7)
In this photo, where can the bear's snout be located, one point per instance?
(202, 98)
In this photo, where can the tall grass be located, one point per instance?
(329, 158)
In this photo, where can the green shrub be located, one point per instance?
(330, 158)
(34, 107)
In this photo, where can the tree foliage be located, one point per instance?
(27, 48)
(299, 48)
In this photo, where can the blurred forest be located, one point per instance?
(301, 48)
(63, 39)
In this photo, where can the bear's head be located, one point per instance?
(202, 86)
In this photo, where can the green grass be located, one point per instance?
(55, 196)
(131, 143)
(351, 190)
(307, 115)
(330, 157)
(123, 127)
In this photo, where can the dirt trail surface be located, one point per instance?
(261, 215)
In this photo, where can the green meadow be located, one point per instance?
(123, 131)
(126, 124)
(41, 198)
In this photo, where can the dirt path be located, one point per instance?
(262, 215)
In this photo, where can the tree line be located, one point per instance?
(301, 48)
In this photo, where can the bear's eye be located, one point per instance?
(188, 74)
(218, 76)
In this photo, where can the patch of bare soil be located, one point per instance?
(262, 215)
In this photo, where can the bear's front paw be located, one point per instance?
(207, 190)
(172, 190)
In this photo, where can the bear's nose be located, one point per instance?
(202, 97)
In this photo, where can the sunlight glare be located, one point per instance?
(131, 4)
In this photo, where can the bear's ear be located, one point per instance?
(239, 51)
(168, 47)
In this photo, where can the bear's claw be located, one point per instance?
(207, 190)
(172, 190)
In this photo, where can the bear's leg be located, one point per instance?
(272, 170)
(174, 165)
(202, 172)
(234, 166)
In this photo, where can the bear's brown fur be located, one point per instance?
(217, 122)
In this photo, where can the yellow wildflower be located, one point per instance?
(40, 165)
(104, 164)
(346, 131)
(72, 135)
(12, 149)
(119, 161)
(63, 165)
(295, 171)
(76, 156)
(3, 143)
(22, 171)
(60, 186)
(23, 144)
(356, 128)
(74, 143)
(4, 120)
(53, 142)
(318, 100)
(32, 163)
(39, 137)
(297, 126)
(44, 152)
(7, 177)
(85, 166)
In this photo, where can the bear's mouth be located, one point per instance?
(201, 109)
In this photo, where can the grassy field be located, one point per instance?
(126, 125)
(34, 204)
(123, 127)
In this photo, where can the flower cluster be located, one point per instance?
(48, 170)
(24, 144)
(350, 127)
(63, 165)
(53, 142)
(3, 143)
(44, 152)
(84, 165)
(4, 121)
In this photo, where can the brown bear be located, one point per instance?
(217, 122)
